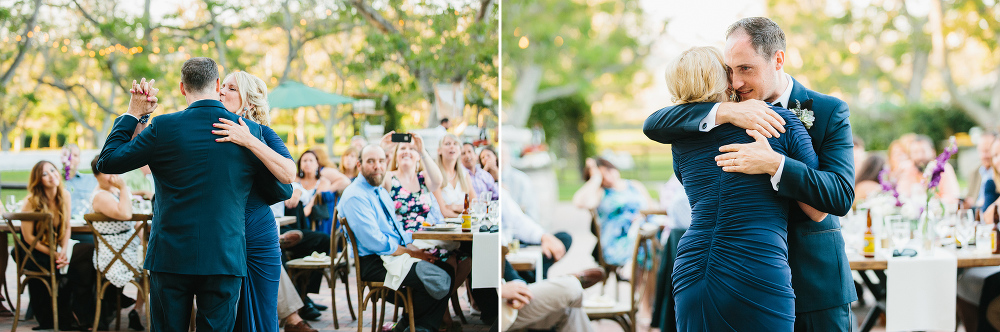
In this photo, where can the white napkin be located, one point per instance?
(920, 292)
(485, 260)
(69, 255)
(396, 269)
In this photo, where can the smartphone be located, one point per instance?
(402, 138)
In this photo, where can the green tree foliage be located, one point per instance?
(569, 127)
(939, 122)
(554, 48)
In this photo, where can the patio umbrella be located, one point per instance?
(292, 94)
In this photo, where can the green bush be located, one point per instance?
(878, 128)
(569, 127)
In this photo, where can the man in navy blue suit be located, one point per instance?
(197, 245)
(755, 53)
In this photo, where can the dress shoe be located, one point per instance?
(309, 312)
(590, 277)
(318, 306)
(133, 321)
(302, 326)
(289, 239)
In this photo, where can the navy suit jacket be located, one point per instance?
(201, 187)
(821, 275)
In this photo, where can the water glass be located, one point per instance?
(900, 232)
(965, 230)
(12, 204)
(493, 212)
(984, 242)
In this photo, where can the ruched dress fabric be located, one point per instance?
(731, 271)
(258, 305)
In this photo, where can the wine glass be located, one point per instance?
(494, 212)
(965, 230)
(12, 204)
(900, 230)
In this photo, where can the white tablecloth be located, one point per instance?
(920, 291)
(485, 260)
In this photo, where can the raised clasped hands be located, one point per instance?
(143, 100)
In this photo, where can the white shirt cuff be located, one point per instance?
(777, 175)
(709, 123)
(130, 114)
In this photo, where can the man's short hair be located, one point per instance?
(198, 74)
(443, 120)
(766, 36)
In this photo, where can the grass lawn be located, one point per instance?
(13, 177)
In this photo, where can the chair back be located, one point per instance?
(338, 251)
(95, 219)
(354, 248)
(645, 258)
(595, 227)
(29, 249)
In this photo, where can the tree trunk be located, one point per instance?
(528, 81)
(5, 139)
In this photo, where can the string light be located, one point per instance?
(302, 21)
(63, 49)
(156, 50)
(66, 41)
(30, 33)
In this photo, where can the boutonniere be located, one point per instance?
(804, 112)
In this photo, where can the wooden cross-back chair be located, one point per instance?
(338, 269)
(376, 291)
(24, 253)
(609, 269)
(103, 283)
(646, 252)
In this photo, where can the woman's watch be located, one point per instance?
(144, 119)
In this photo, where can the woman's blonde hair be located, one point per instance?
(342, 166)
(463, 177)
(394, 165)
(253, 93)
(698, 75)
(38, 199)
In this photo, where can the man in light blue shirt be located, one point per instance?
(80, 186)
(365, 204)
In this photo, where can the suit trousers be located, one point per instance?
(171, 296)
(427, 311)
(839, 318)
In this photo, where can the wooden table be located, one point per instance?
(443, 235)
(879, 264)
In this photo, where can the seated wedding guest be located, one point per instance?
(349, 163)
(517, 225)
(990, 190)
(859, 152)
(289, 305)
(977, 180)
(329, 171)
(140, 181)
(358, 142)
(381, 241)
(46, 193)
(553, 304)
(901, 167)
(481, 180)
(107, 201)
(488, 161)
(618, 203)
(675, 202)
(866, 180)
(79, 185)
(307, 183)
(442, 128)
(411, 179)
(923, 155)
(520, 187)
(456, 183)
(299, 243)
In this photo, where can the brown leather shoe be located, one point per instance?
(290, 239)
(590, 277)
(302, 326)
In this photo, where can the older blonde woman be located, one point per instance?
(737, 239)
(246, 95)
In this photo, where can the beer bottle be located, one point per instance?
(466, 211)
(869, 249)
(995, 233)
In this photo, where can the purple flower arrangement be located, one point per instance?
(67, 157)
(888, 186)
(939, 164)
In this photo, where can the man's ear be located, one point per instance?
(218, 86)
(183, 92)
(779, 60)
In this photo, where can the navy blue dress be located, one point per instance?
(258, 306)
(731, 272)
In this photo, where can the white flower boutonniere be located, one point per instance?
(804, 114)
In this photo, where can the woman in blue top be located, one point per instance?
(246, 95)
(731, 272)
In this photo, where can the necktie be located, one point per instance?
(389, 217)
